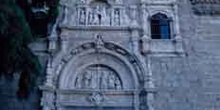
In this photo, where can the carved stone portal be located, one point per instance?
(98, 77)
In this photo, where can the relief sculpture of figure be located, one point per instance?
(82, 18)
(94, 80)
(104, 20)
(125, 19)
(90, 17)
(65, 15)
(117, 84)
(87, 80)
(97, 16)
(104, 80)
(117, 17)
(111, 81)
(78, 83)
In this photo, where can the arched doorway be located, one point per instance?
(97, 76)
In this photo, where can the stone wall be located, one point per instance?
(189, 82)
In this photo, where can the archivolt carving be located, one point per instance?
(91, 46)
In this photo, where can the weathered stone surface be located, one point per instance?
(129, 70)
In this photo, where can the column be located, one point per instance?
(64, 41)
(176, 23)
(87, 16)
(145, 23)
(49, 73)
(136, 100)
(134, 41)
(145, 44)
(149, 85)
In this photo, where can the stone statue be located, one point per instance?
(117, 84)
(65, 15)
(87, 79)
(104, 80)
(72, 17)
(97, 16)
(117, 17)
(125, 19)
(103, 16)
(94, 80)
(111, 81)
(78, 83)
(82, 18)
(90, 17)
(99, 42)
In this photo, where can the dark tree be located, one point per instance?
(15, 55)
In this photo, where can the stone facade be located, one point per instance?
(104, 58)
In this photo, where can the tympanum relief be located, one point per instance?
(98, 77)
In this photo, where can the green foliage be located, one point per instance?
(15, 55)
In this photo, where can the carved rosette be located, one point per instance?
(97, 98)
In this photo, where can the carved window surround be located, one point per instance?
(161, 47)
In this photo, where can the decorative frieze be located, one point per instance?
(206, 7)
(87, 13)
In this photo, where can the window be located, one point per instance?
(160, 26)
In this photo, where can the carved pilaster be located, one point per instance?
(47, 101)
(150, 100)
(134, 22)
(136, 100)
(49, 73)
(64, 41)
(145, 23)
(176, 23)
(134, 41)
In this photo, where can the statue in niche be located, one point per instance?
(117, 17)
(65, 15)
(111, 81)
(72, 16)
(94, 80)
(117, 84)
(125, 18)
(104, 80)
(78, 83)
(82, 16)
(97, 16)
(103, 16)
(87, 79)
(90, 17)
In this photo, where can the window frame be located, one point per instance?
(169, 24)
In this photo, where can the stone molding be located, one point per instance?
(206, 7)
(65, 97)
